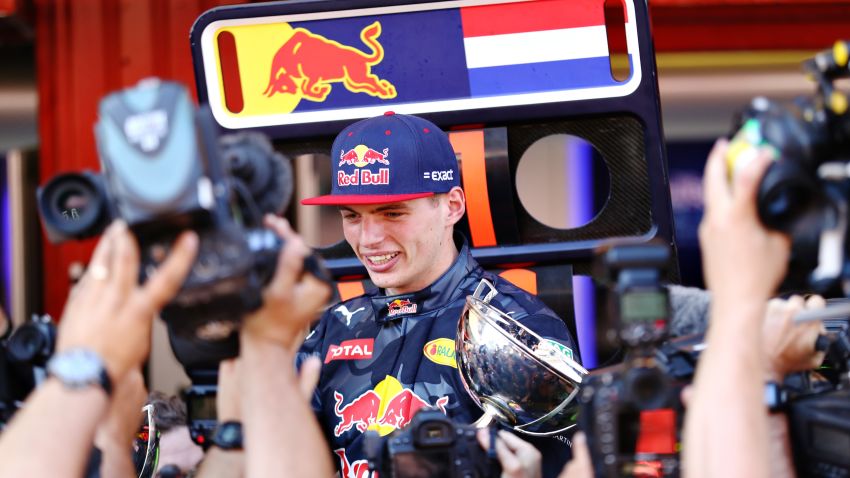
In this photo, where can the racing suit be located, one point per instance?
(385, 357)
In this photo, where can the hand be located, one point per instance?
(292, 299)
(114, 436)
(742, 260)
(109, 313)
(580, 466)
(790, 347)
(308, 376)
(227, 398)
(125, 412)
(519, 459)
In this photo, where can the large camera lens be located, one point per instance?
(72, 206)
(30, 344)
(646, 388)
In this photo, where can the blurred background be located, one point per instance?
(58, 57)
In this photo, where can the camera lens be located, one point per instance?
(27, 344)
(647, 388)
(71, 205)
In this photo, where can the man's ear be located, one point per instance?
(456, 202)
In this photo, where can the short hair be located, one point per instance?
(168, 411)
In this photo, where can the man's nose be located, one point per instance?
(371, 232)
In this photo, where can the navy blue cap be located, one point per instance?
(390, 158)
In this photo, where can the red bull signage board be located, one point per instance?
(261, 69)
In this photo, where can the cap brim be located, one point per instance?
(343, 200)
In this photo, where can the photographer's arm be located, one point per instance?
(743, 264)
(110, 315)
(114, 436)
(272, 407)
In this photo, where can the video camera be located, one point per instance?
(164, 170)
(431, 446)
(804, 193)
(631, 412)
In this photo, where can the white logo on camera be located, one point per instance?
(447, 175)
(147, 129)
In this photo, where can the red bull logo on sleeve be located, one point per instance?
(308, 64)
(387, 407)
(400, 307)
(357, 349)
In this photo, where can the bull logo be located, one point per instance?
(309, 63)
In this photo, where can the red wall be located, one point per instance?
(85, 49)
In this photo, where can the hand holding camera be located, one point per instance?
(110, 301)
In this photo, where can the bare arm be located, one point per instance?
(110, 315)
(743, 265)
(272, 407)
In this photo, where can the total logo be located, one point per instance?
(355, 349)
(400, 307)
(385, 408)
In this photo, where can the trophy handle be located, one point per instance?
(489, 417)
(479, 289)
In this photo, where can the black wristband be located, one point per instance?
(775, 397)
(228, 436)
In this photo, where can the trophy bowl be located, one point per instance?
(527, 382)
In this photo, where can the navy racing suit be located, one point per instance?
(385, 357)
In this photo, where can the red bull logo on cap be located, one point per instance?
(387, 407)
(362, 155)
(401, 306)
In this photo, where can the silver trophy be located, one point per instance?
(517, 377)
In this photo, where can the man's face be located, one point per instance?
(405, 246)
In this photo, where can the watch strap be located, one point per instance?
(228, 435)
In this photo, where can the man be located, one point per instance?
(390, 352)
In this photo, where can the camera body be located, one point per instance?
(201, 413)
(164, 170)
(805, 191)
(23, 356)
(631, 412)
(432, 445)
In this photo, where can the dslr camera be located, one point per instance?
(631, 412)
(804, 193)
(165, 170)
(431, 446)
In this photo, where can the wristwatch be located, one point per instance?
(228, 436)
(79, 368)
(775, 397)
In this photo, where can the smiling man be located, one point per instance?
(390, 352)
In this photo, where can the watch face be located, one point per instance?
(228, 435)
(77, 367)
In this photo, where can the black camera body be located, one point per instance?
(165, 170)
(23, 357)
(201, 413)
(431, 446)
(804, 193)
(631, 412)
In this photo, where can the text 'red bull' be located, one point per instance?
(309, 63)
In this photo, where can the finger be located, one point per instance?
(511, 465)
(526, 452)
(686, 395)
(125, 261)
(308, 376)
(815, 302)
(716, 185)
(313, 294)
(746, 182)
(483, 436)
(291, 258)
(581, 454)
(101, 256)
(166, 281)
(794, 305)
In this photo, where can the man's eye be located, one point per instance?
(394, 215)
